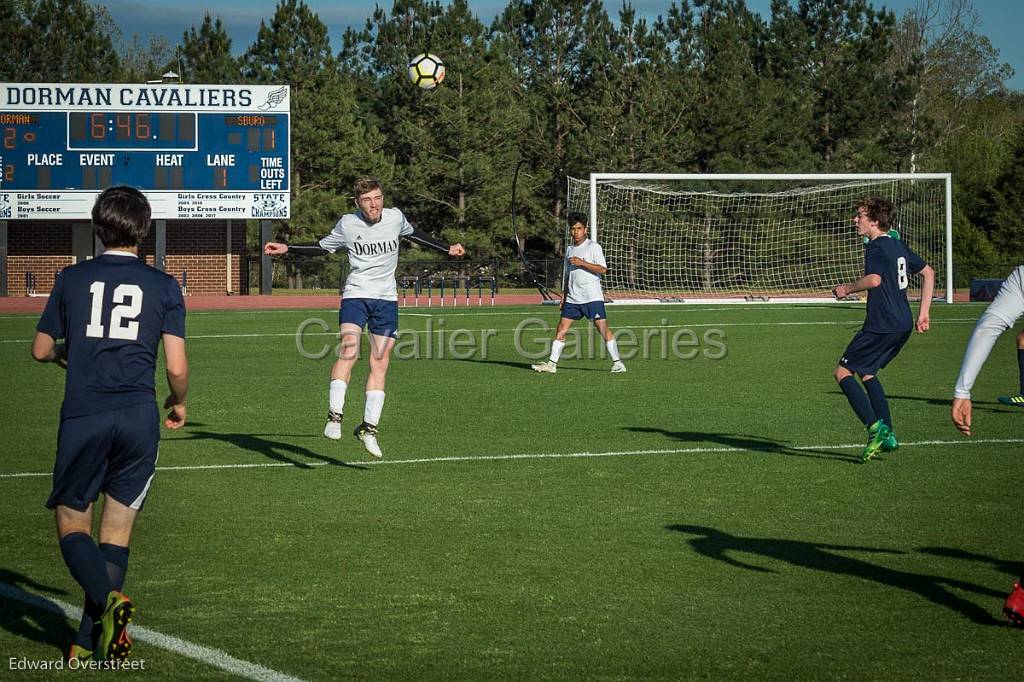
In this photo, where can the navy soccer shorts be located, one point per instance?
(869, 352)
(381, 317)
(112, 452)
(594, 310)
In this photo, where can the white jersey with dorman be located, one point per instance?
(1000, 315)
(584, 286)
(372, 252)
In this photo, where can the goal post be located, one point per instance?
(764, 237)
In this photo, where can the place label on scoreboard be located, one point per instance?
(197, 151)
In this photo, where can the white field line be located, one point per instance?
(414, 311)
(819, 323)
(547, 455)
(212, 657)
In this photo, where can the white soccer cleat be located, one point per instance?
(367, 435)
(617, 367)
(546, 366)
(332, 429)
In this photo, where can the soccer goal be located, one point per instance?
(754, 237)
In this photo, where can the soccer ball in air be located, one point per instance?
(426, 71)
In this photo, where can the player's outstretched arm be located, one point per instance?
(863, 284)
(177, 380)
(280, 248)
(927, 289)
(420, 237)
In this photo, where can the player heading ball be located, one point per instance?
(369, 299)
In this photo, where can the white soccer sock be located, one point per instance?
(613, 350)
(374, 406)
(556, 350)
(336, 396)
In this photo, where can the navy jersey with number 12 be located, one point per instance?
(111, 311)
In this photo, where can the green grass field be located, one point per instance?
(700, 518)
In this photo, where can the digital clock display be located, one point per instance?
(93, 130)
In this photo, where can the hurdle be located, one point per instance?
(447, 286)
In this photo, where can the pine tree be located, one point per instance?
(57, 41)
(457, 144)
(205, 55)
(330, 145)
(832, 56)
(548, 42)
(1007, 204)
(633, 104)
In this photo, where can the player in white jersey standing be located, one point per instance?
(370, 298)
(1000, 315)
(585, 264)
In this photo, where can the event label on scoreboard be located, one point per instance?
(197, 151)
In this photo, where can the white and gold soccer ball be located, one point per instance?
(426, 71)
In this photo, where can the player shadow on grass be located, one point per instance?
(941, 402)
(748, 443)
(29, 615)
(716, 544)
(275, 450)
(529, 365)
(1010, 567)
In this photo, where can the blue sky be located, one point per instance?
(1002, 21)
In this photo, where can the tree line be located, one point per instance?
(708, 86)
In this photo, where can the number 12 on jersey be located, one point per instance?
(127, 305)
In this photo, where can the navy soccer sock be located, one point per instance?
(116, 558)
(858, 400)
(1020, 366)
(876, 394)
(85, 561)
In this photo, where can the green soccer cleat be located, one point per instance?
(79, 654)
(890, 444)
(877, 435)
(114, 643)
(1014, 400)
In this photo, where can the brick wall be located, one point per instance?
(198, 247)
(42, 248)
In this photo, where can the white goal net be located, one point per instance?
(753, 237)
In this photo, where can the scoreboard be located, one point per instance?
(196, 151)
